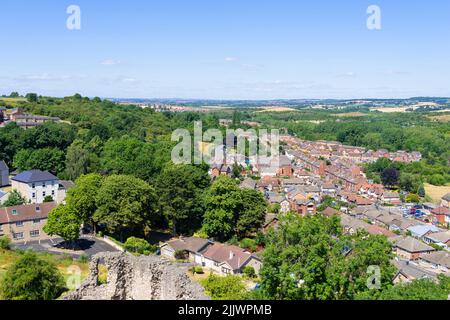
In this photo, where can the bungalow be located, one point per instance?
(4, 174)
(408, 272)
(439, 238)
(410, 248)
(226, 259)
(439, 261)
(421, 230)
(352, 225)
(25, 222)
(191, 246)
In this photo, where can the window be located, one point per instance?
(34, 195)
(19, 224)
(33, 185)
(36, 221)
(14, 212)
(226, 271)
(38, 209)
(44, 194)
(216, 264)
(34, 233)
(43, 184)
(53, 192)
(18, 236)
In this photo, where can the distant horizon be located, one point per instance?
(227, 50)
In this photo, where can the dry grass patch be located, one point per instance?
(276, 109)
(443, 118)
(436, 192)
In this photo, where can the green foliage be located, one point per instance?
(233, 211)
(5, 243)
(124, 203)
(64, 222)
(180, 190)
(48, 199)
(180, 255)
(308, 258)
(31, 278)
(137, 245)
(420, 289)
(412, 198)
(250, 272)
(14, 199)
(225, 288)
(42, 159)
(81, 198)
(248, 244)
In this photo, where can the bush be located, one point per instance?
(248, 244)
(250, 272)
(180, 255)
(225, 288)
(32, 278)
(83, 258)
(137, 245)
(197, 270)
(5, 243)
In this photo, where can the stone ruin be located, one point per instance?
(137, 278)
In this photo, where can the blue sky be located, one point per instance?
(226, 49)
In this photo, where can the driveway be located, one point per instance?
(85, 246)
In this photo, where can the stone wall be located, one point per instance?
(137, 278)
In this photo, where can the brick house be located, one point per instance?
(25, 222)
(411, 249)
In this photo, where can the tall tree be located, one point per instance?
(180, 188)
(125, 203)
(64, 222)
(82, 197)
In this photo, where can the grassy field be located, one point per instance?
(435, 192)
(64, 264)
(276, 109)
(350, 115)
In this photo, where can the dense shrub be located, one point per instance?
(137, 245)
(5, 243)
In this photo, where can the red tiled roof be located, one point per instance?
(234, 256)
(26, 212)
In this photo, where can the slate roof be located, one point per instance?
(191, 244)
(442, 237)
(439, 258)
(3, 166)
(446, 197)
(422, 229)
(413, 245)
(412, 271)
(34, 176)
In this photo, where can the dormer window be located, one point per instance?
(43, 184)
(33, 185)
(38, 209)
(14, 212)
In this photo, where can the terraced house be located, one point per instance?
(25, 222)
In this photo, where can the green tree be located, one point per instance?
(31, 278)
(308, 258)
(64, 222)
(180, 189)
(14, 199)
(82, 197)
(78, 160)
(46, 159)
(31, 97)
(124, 203)
(231, 210)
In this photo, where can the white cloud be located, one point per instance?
(230, 59)
(110, 62)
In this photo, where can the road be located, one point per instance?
(85, 246)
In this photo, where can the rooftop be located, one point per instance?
(34, 176)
